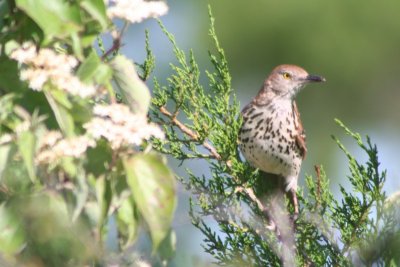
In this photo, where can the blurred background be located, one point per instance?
(354, 45)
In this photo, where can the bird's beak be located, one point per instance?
(315, 78)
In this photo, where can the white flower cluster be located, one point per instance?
(22, 127)
(6, 138)
(46, 65)
(118, 125)
(136, 11)
(53, 147)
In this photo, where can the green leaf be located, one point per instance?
(68, 164)
(92, 211)
(26, 145)
(61, 112)
(153, 188)
(97, 10)
(57, 18)
(94, 70)
(81, 193)
(168, 246)
(4, 158)
(77, 45)
(50, 236)
(81, 111)
(89, 37)
(10, 81)
(104, 195)
(11, 234)
(127, 222)
(103, 74)
(133, 90)
(98, 158)
(61, 98)
(4, 9)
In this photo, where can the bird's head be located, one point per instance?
(287, 80)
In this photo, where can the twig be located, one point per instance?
(318, 171)
(115, 46)
(116, 42)
(189, 132)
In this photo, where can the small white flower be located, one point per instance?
(74, 86)
(26, 53)
(36, 78)
(50, 139)
(53, 147)
(136, 11)
(142, 263)
(22, 127)
(46, 66)
(118, 125)
(6, 138)
(74, 147)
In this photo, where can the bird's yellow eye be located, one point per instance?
(286, 75)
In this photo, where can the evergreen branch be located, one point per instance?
(148, 65)
(318, 193)
(360, 223)
(249, 192)
(194, 136)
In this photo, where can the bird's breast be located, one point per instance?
(268, 139)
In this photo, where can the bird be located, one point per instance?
(272, 137)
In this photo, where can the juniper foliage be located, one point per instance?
(202, 122)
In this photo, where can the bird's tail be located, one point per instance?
(270, 189)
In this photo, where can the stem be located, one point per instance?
(190, 133)
(116, 42)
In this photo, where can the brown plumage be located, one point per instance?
(272, 137)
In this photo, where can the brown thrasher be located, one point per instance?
(272, 138)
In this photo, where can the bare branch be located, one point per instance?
(194, 136)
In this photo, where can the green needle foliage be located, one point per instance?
(202, 123)
(72, 160)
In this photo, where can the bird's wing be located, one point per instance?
(301, 135)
